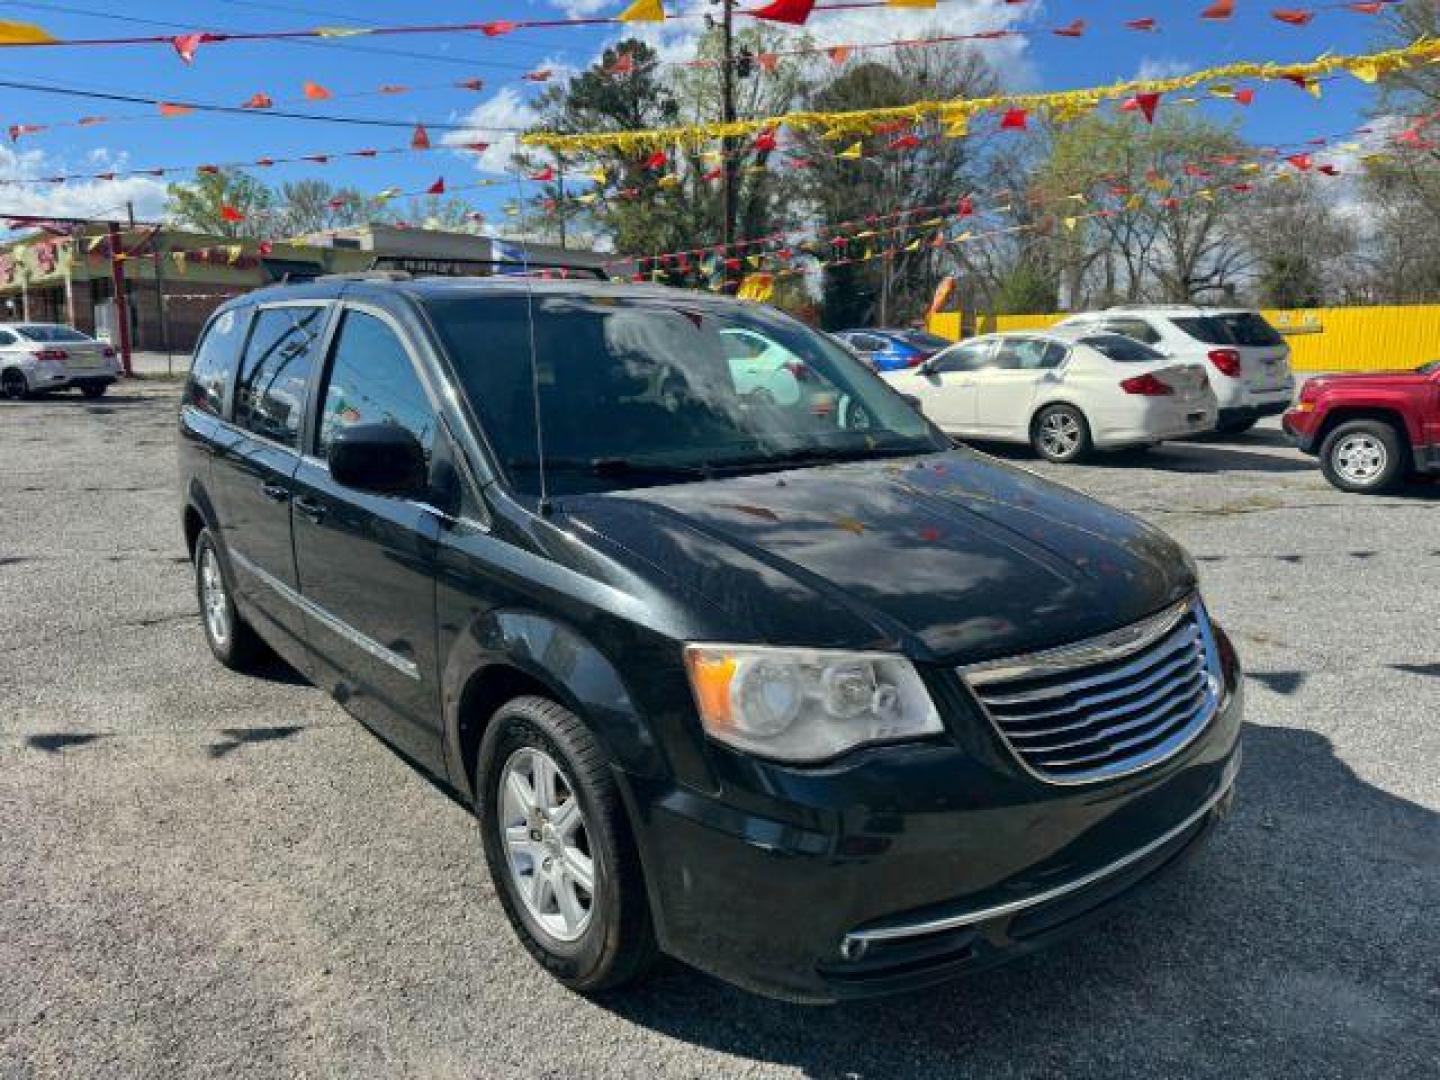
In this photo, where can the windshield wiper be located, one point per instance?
(828, 455)
(613, 466)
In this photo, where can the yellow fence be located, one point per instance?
(1321, 339)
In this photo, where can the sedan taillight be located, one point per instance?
(1226, 361)
(1146, 385)
(107, 352)
(53, 356)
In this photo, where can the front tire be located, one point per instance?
(14, 385)
(1364, 457)
(232, 640)
(559, 847)
(1061, 434)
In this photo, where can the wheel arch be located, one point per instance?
(1394, 418)
(198, 514)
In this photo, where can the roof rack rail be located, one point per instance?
(422, 266)
(367, 275)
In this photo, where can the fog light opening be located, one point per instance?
(853, 948)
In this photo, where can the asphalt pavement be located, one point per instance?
(204, 874)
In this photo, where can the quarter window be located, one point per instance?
(270, 396)
(7, 338)
(372, 381)
(1028, 354)
(214, 363)
(1135, 329)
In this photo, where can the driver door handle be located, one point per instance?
(313, 510)
(275, 492)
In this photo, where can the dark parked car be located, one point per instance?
(798, 692)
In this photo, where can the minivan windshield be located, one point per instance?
(633, 392)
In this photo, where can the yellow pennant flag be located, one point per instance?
(1366, 73)
(19, 33)
(599, 176)
(1071, 222)
(957, 127)
(643, 11)
(388, 193)
(179, 257)
(1206, 194)
(911, 3)
(913, 245)
(1135, 202)
(586, 199)
(232, 254)
(851, 153)
(1250, 167)
(339, 31)
(96, 241)
(669, 180)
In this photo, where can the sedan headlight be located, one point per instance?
(807, 704)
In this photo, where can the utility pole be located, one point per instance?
(560, 195)
(122, 304)
(728, 181)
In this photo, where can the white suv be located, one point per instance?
(1247, 360)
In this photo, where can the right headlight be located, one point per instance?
(804, 705)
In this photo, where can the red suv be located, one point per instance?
(1370, 430)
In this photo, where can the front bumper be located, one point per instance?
(914, 864)
(1300, 427)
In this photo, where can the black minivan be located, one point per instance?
(735, 656)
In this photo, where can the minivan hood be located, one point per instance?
(951, 556)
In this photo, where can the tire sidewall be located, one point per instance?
(517, 726)
(224, 653)
(1081, 448)
(1385, 435)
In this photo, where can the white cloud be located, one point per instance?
(24, 190)
(488, 122)
(1159, 67)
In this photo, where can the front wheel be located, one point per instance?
(13, 385)
(1061, 434)
(559, 847)
(1363, 456)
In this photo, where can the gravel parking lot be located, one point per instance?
(205, 874)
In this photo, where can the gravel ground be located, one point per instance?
(208, 875)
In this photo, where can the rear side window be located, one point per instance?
(1205, 329)
(1250, 328)
(1138, 329)
(1122, 350)
(214, 363)
(371, 381)
(1028, 354)
(270, 396)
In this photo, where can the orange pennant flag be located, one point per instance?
(259, 100)
(1292, 16)
(315, 92)
(169, 109)
(1221, 9)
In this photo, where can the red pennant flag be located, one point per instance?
(768, 62)
(420, 139)
(471, 84)
(437, 188)
(713, 175)
(765, 141)
(1366, 8)
(1015, 120)
(337, 203)
(363, 153)
(966, 206)
(624, 64)
(393, 88)
(1145, 104)
(904, 142)
(657, 160)
(1300, 161)
(793, 12)
(544, 175)
(186, 44)
(259, 100)
(1302, 81)
(1328, 170)
(229, 213)
(88, 121)
(319, 159)
(838, 53)
(1074, 30)
(478, 147)
(1292, 16)
(1221, 9)
(1245, 96)
(1242, 188)
(539, 75)
(1141, 24)
(1172, 203)
(265, 247)
(16, 130)
(497, 28)
(265, 162)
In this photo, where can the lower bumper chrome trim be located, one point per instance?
(856, 940)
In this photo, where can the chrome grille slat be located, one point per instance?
(1174, 667)
(1173, 643)
(1158, 682)
(1170, 693)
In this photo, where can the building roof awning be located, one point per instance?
(290, 269)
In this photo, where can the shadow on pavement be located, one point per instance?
(1302, 941)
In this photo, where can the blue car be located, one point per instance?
(892, 350)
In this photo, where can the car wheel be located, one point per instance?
(1363, 456)
(559, 847)
(93, 390)
(14, 385)
(232, 640)
(1235, 427)
(1061, 434)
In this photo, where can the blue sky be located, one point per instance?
(231, 72)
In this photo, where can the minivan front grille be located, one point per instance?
(1108, 706)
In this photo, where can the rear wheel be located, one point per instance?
(1061, 434)
(14, 385)
(559, 847)
(232, 640)
(1363, 456)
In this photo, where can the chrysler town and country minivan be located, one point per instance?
(788, 686)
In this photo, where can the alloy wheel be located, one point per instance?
(14, 386)
(1060, 434)
(213, 598)
(1360, 459)
(547, 847)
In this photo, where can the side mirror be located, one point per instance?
(383, 459)
(928, 368)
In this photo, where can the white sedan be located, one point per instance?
(1063, 392)
(37, 357)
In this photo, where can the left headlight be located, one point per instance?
(807, 704)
